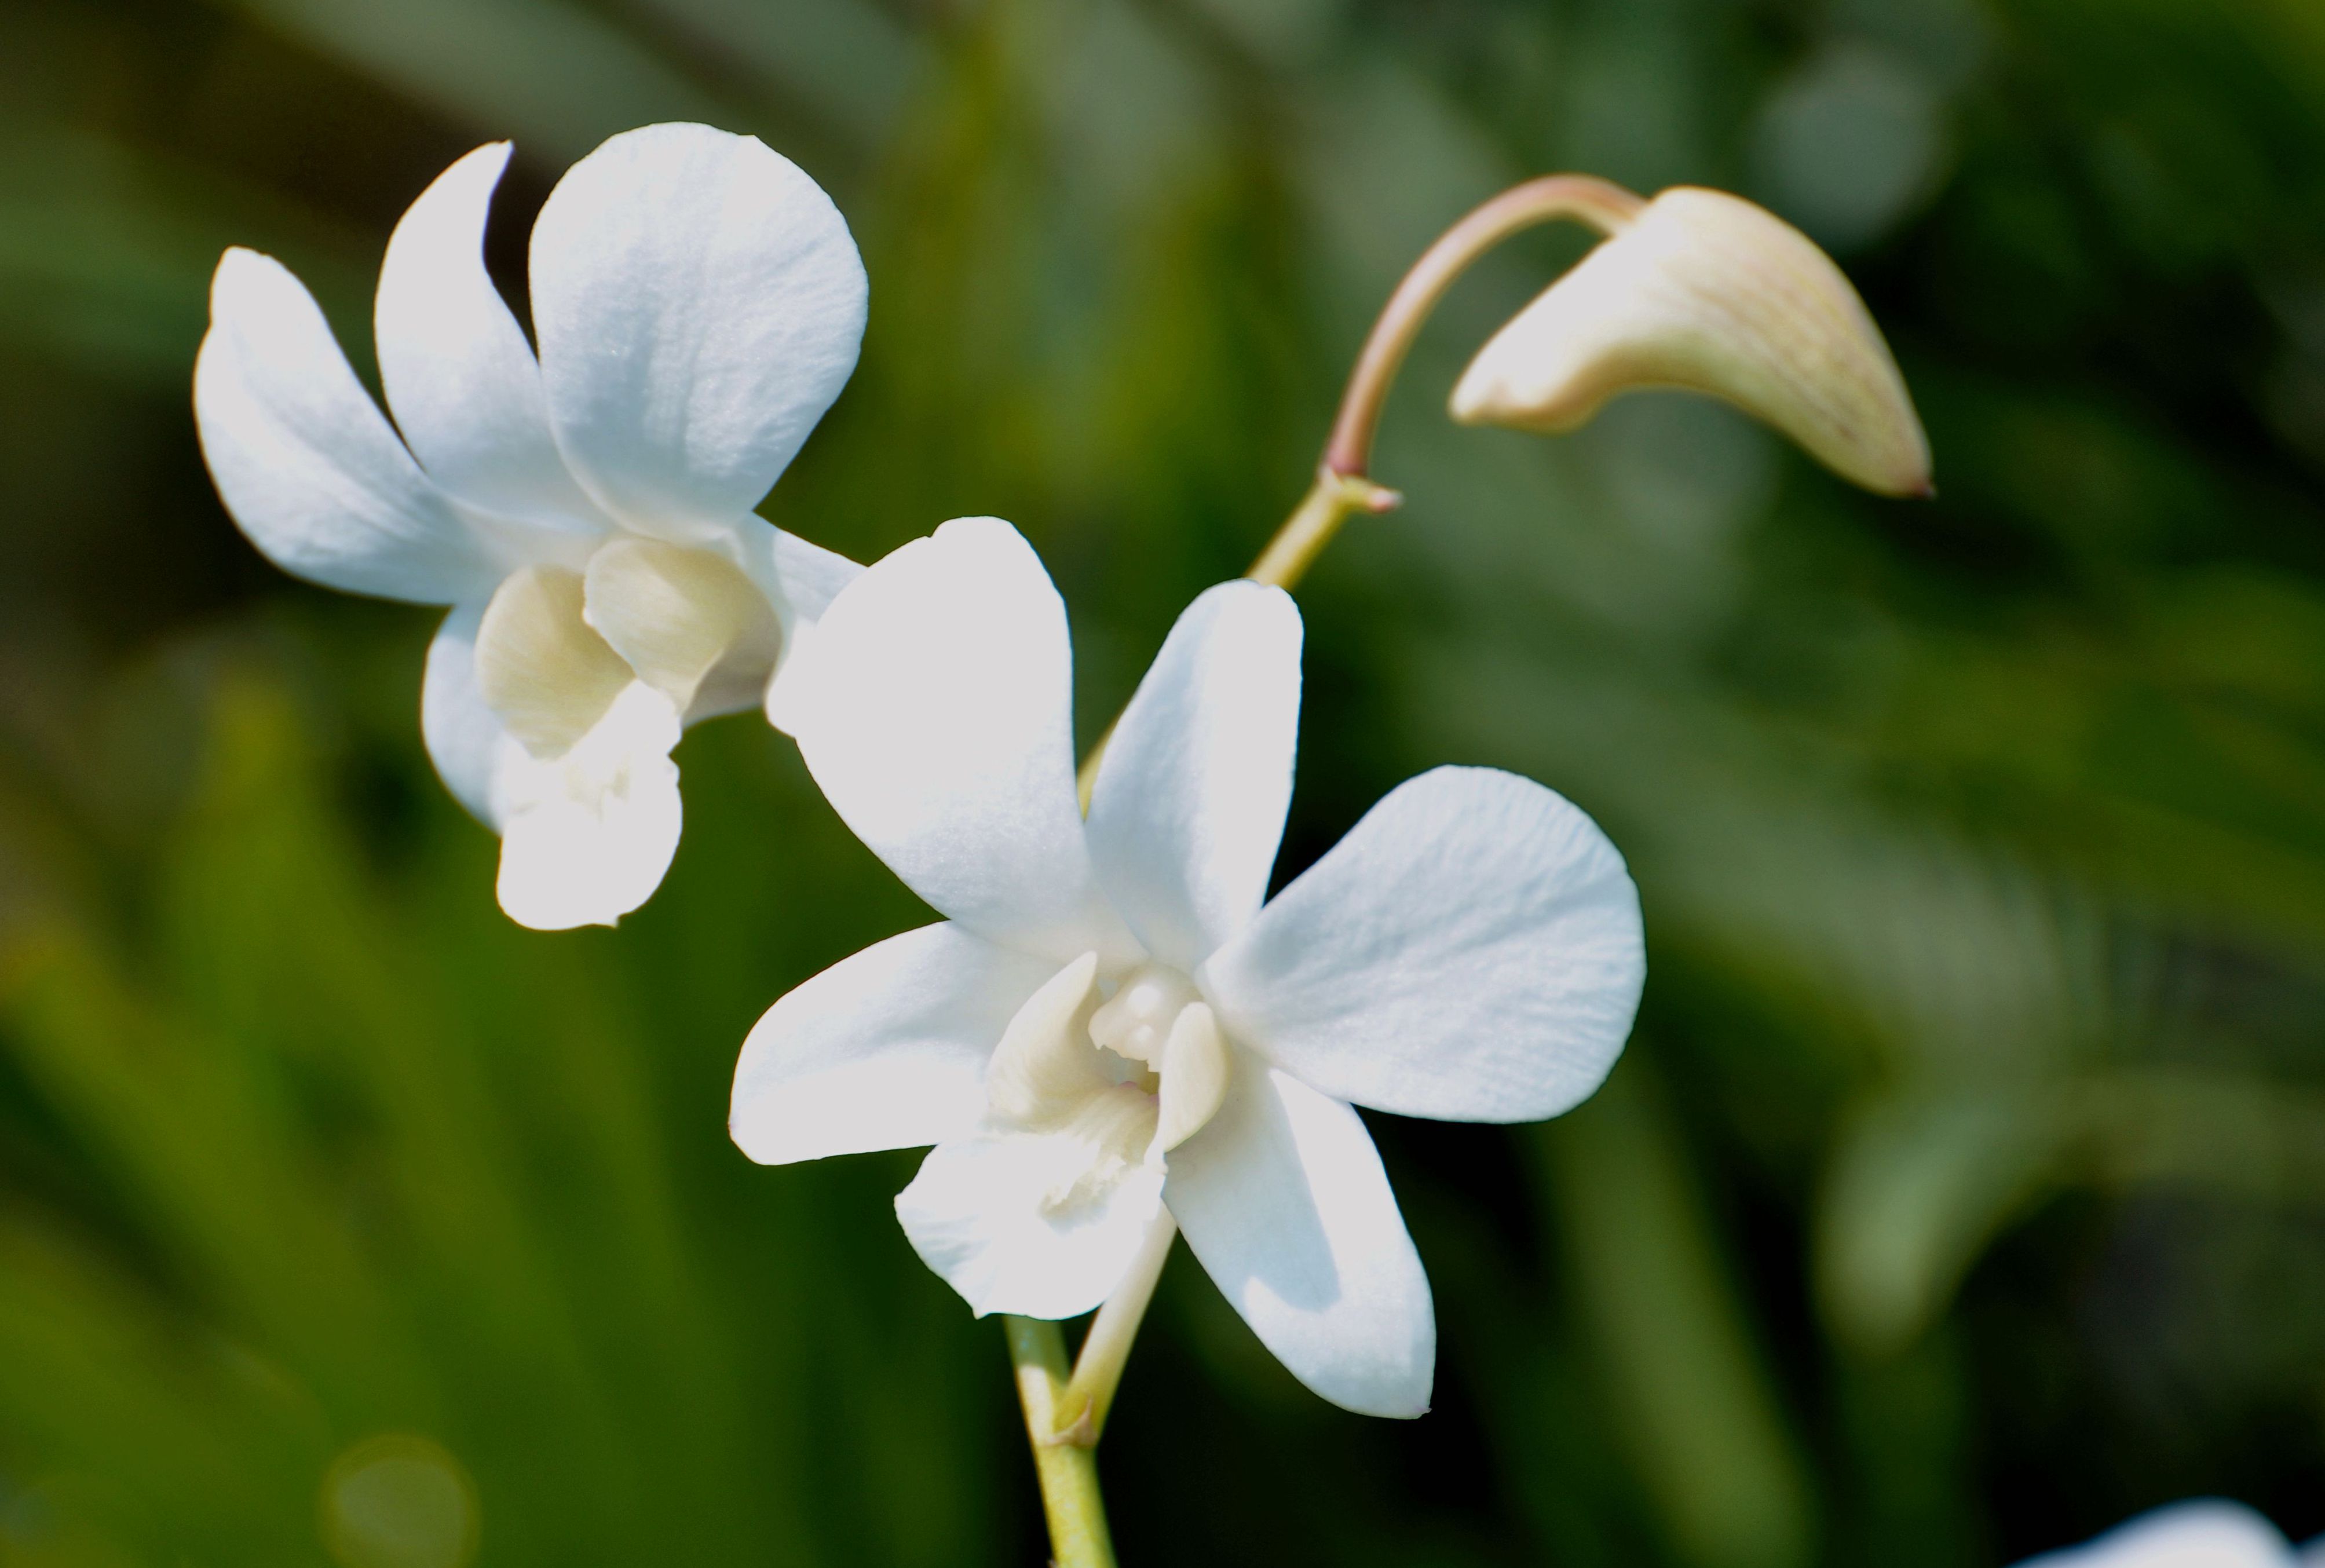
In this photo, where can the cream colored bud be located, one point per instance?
(1704, 291)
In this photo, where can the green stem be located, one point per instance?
(1067, 1471)
(1341, 488)
(1330, 501)
(1106, 1350)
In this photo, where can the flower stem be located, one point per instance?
(1341, 488)
(1067, 1471)
(1605, 207)
(1097, 1367)
(1064, 1415)
(1330, 501)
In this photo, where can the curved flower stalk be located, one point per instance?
(1695, 290)
(1115, 1029)
(2206, 1534)
(586, 511)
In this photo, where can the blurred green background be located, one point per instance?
(1964, 1189)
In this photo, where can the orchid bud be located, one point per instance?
(1704, 291)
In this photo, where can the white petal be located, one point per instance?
(305, 462)
(977, 1214)
(886, 1050)
(799, 580)
(797, 577)
(698, 302)
(1189, 806)
(933, 708)
(1471, 951)
(782, 702)
(465, 737)
(1045, 1067)
(456, 367)
(2208, 1533)
(1283, 1200)
(586, 837)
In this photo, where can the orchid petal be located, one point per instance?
(306, 463)
(699, 303)
(933, 708)
(586, 837)
(886, 1050)
(808, 575)
(1043, 1066)
(1283, 1201)
(465, 737)
(1191, 797)
(799, 580)
(982, 1214)
(1471, 951)
(2204, 1534)
(454, 363)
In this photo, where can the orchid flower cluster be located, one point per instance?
(1113, 1035)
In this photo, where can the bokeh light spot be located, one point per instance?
(399, 1501)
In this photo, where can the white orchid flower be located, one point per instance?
(586, 511)
(1114, 1018)
(2204, 1534)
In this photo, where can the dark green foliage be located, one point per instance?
(1965, 1190)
